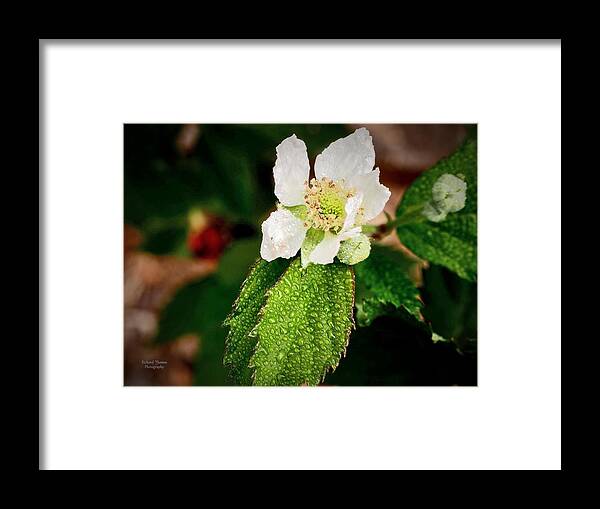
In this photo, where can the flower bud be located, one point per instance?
(354, 250)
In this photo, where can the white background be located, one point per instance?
(512, 420)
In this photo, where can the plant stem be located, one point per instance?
(411, 215)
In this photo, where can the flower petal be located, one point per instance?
(351, 233)
(291, 171)
(325, 251)
(313, 237)
(283, 234)
(346, 157)
(375, 194)
(352, 206)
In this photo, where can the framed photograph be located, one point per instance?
(300, 255)
(254, 257)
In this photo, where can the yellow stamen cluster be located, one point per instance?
(326, 202)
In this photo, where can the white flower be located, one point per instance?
(449, 195)
(283, 234)
(344, 195)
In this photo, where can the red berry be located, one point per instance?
(208, 243)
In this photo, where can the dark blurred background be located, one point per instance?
(195, 197)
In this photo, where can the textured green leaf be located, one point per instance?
(305, 325)
(240, 345)
(453, 241)
(383, 286)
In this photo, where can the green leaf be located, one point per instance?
(383, 286)
(244, 315)
(451, 242)
(305, 325)
(450, 305)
